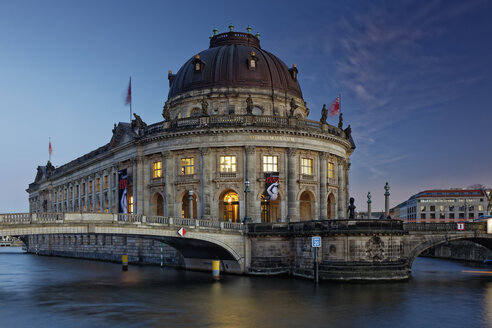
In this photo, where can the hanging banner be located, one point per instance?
(122, 191)
(271, 185)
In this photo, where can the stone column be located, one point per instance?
(250, 169)
(387, 201)
(369, 203)
(140, 186)
(341, 190)
(169, 173)
(323, 215)
(146, 195)
(205, 183)
(111, 188)
(293, 204)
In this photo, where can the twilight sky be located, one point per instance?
(415, 79)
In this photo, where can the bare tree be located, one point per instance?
(477, 186)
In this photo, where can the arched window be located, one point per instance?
(185, 208)
(158, 205)
(306, 206)
(229, 207)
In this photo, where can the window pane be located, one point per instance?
(331, 170)
(227, 163)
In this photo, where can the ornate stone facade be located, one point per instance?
(217, 134)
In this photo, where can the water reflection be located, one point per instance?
(48, 291)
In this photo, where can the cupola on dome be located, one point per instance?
(234, 59)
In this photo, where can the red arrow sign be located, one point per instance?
(182, 232)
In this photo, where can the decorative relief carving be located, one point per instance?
(323, 155)
(291, 152)
(375, 249)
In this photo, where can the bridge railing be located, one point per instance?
(326, 226)
(23, 218)
(125, 217)
(430, 227)
(119, 218)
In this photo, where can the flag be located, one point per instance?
(50, 149)
(335, 107)
(129, 94)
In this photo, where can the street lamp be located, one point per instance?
(190, 203)
(246, 212)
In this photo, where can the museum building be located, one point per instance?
(236, 142)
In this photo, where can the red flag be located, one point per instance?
(335, 107)
(50, 149)
(129, 94)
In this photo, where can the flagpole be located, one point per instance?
(340, 101)
(49, 151)
(130, 99)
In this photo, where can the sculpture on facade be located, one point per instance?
(351, 208)
(249, 105)
(348, 131)
(340, 121)
(165, 113)
(293, 107)
(204, 106)
(324, 114)
(138, 122)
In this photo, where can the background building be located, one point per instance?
(235, 123)
(444, 205)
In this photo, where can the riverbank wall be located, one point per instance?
(105, 248)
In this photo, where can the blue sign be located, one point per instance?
(316, 241)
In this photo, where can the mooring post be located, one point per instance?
(216, 270)
(124, 261)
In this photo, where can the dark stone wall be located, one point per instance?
(460, 250)
(105, 248)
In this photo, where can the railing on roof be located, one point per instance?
(217, 121)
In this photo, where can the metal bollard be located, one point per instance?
(124, 261)
(216, 269)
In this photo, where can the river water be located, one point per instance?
(40, 291)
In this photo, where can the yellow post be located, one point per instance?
(124, 261)
(216, 269)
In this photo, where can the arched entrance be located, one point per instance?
(330, 207)
(229, 206)
(158, 205)
(305, 208)
(185, 208)
(270, 209)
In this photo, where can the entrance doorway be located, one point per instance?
(270, 210)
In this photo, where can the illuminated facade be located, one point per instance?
(443, 205)
(234, 114)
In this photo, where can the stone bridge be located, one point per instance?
(204, 240)
(351, 249)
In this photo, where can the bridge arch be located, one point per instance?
(436, 240)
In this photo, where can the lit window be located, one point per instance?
(157, 170)
(98, 184)
(307, 166)
(106, 182)
(90, 188)
(441, 208)
(270, 163)
(331, 170)
(187, 166)
(130, 204)
(227, 163)
(480, 207)
(422, 209)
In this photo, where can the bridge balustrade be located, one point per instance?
(120, 218)
(440, 227)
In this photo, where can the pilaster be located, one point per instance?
(293, 204)
(250, 168)
(323, 211)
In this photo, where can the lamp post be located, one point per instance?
(190, 203)
(246, 211)
(386, 200)
(369, 201)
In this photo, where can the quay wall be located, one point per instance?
(105, 248)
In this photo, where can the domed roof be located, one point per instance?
(227, 64)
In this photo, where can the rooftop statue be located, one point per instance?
(324, 114)
(249, 105)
